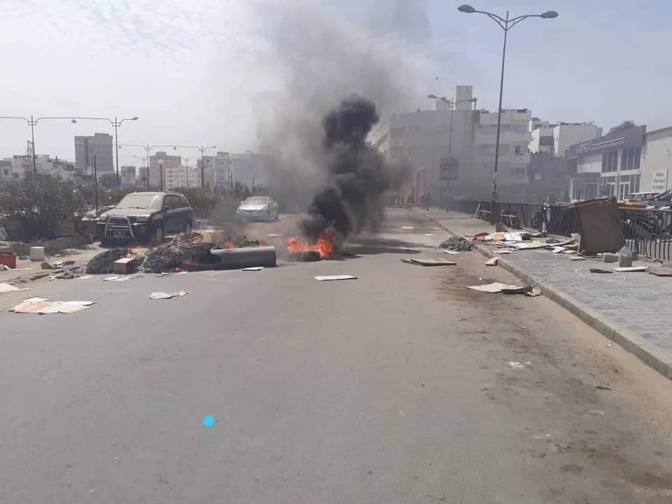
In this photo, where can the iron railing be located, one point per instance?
(647, 232)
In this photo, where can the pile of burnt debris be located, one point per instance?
(185, 252)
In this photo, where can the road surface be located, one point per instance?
(396, 387)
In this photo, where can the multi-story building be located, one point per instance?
(142, 177)
(547, 171)
(128, 177)
(159, 164)
(556, 138)
(452, 148)
(217, 169)
(22, 165)
(6, 172)
(182, 177)
(609, 165)
(99, 145)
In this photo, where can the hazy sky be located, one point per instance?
(208, 71)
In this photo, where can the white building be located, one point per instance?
(217, 169)
(609, 165)
(453, 151)
(6, 171)
(182, 177)
(555, 139)
(656, 161)
(159, 163)
(22, 166)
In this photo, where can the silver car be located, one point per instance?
(258, 208)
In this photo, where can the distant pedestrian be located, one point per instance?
(428, 201)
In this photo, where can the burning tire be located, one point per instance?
(309, 256)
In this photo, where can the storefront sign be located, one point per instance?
(625, 139)
(659, 183)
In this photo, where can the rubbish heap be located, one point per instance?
(241, 241)
(185, 251)
(103, 263)
(456, 244)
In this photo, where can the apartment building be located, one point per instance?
(159, 164)
(452, 148)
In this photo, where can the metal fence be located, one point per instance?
(647, 232)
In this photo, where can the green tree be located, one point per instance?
(108, 180)
(41, 203)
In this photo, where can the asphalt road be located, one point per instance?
(396, 387)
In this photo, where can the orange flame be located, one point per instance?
(325, 244)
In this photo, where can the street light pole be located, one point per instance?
(505, 24)
(115, 124)
(32, 122)
(202, 150)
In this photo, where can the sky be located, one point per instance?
(215, 72)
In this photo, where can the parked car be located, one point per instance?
(145, 216)
(258, 208)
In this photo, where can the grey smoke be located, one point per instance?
(322, 53)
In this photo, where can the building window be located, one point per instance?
(630, 158)
(518, 171)
(519, 128)
(488, 129)
(546, 141)
(610, 162)
(519, 150)
(6, 172)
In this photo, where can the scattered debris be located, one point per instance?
(609, 345)
(429, 262)
(495, 287)
(37, 254)
(125, 265)
(241, 241)
(596, 412)
(501, 228)
(275, 235)
(519, 365)
(602, 387)
(534, 292)
(123, 278)
(254, 268)
(167, 295)
(601, 271)
(456, 244)
(407, 227)
(661, 271)
(47, 266)
(84, 277)
(610, 258)
(631, 269)
(38, 276)
(451, 252)
(5, 287)
(43, 306)
(331, 278)
(502, 251)
(599, 225)
(577, 258)
(103, 263)
(492, 262)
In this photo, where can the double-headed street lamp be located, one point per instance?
(32, 122)
(115, 124)
(505, 24)
(202, 150)
(148, 149)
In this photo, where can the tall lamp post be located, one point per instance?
(32, 122)
(202, 150)
(505, 24)
(145, 169)
(148, 149)
(115, 124)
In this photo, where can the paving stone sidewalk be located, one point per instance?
(634, 309)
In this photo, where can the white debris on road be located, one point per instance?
(167, 295)
(332, 278)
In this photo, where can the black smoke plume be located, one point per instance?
(359, 177)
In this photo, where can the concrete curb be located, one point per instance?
(652, 355)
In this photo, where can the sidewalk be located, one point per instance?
(632, 309)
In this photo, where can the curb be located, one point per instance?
(652, 355)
